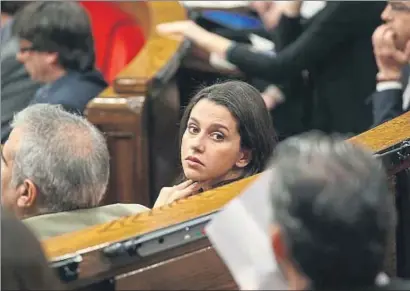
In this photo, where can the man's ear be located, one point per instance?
(278, 245)
(244, 158)
(52, 58)
(27, 194)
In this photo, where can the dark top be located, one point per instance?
(335, 48)
(73, 91)
(388, 104)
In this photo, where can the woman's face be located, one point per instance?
(211, 145)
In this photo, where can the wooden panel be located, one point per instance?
(131, 126)
(385, 135)
(391, 133)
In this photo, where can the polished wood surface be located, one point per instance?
(385, 135)
(140, 106)
(377, 139)
(145, 222)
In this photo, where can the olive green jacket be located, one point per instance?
(55, 224)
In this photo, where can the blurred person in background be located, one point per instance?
(23, 263)
(391, 43)
(17, 88)
(57, 50)
(334, 47)
(332, 215)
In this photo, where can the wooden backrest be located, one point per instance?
(139, 112)
(195, 265)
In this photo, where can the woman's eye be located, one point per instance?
(193, 129)
(217, 136)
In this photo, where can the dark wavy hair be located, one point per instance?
(12, 7)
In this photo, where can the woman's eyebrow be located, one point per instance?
(219, 125)
(194, 120)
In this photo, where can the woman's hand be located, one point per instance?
(261, 6)
(170, 194)
(204, 39)
(186, 28)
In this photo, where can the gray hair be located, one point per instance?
(64, 155)
(332, 202)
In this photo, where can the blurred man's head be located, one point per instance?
(54, 37)
(10, 8)
(397, 16)
(332, 210)
(53, 161)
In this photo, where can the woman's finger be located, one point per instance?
(191, 189)
(183, 185)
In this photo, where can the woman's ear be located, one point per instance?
(27, 194)
(245, 157)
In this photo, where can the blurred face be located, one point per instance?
(38, 64)
(397, 16)
(18, 200)
(211, 145)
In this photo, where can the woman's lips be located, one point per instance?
(194, 161)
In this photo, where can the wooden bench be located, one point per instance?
(196, 266)
(140, 111)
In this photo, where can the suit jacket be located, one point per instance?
(388, 104)
(335, 48)
(72, 91)
(17, 88)
(55, 224)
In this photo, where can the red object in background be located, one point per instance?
(117, 37)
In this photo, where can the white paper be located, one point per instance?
(240, 235)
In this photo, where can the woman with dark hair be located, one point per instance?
(23, 264)
(226, 134)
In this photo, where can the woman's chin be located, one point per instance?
(194, 175)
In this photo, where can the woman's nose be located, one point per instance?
(198, 143)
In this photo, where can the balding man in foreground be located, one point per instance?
(54, 172)
(332, 212)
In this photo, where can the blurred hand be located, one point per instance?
(390, 60)
(291, 8)
(186, 28)
(261, 6)
(170, 194)
(272, 96)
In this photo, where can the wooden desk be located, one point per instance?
(191, 267)
(139, 113)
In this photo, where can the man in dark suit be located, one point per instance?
(391, 42)
(332, 215)
(17, 88)
(57, 50)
